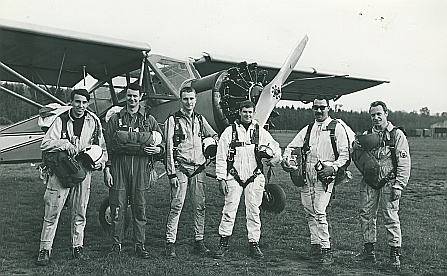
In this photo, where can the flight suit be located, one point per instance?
(245, 164)
(182, 162)
(55, 194)
(314, 196)
(131, 175)
(371, 200)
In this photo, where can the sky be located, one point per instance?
(404, 42)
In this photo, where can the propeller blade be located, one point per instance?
(271, 94)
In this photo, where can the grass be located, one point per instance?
(285, 236)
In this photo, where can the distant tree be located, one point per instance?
(425, 111)
(444, 114)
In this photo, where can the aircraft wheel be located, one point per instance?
(274, 199)
(105, 216)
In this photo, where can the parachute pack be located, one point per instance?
(67, 169)
(367, 163)
(129, 142)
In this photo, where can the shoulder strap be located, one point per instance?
(331, 127)
(200, 118)
(178, 132)
(306, 147)
(64, 117)
(255, 137)
(392, 145)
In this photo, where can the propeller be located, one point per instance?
(271, 94)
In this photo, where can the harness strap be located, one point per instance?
(232, 152)
(304, 151)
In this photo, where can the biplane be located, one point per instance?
(41, 57)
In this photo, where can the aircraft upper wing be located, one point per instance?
(302, 85)
(57, 57)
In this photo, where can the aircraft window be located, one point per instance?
(176, 71)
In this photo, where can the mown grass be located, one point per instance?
(285, 236)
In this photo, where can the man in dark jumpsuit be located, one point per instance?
(127, 172)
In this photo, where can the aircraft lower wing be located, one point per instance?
(60, 57)
(302, 84)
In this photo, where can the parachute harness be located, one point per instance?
(254, 139)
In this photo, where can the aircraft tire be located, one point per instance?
(105, 219)
(274, 199)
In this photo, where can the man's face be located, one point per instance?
(133, 98)
(189, 100)
(246, 114)
(321, 110)
(378, 117)
(79, 104)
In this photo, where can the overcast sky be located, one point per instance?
(404, 42)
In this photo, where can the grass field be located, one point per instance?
(285, 236)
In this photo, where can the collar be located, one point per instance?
(325, 122)
(253, 123)
(185, 114)
(141, 110)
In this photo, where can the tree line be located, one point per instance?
(291, 118)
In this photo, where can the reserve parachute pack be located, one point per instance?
(67, 169)
(367, 163)
(343, 175)
(129, 141)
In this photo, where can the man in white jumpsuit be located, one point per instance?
(82, 129)
(316, 194)
(245, 172)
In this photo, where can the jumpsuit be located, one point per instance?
(371, 200)
(131, 175)
(56, 194)
(313, 195)
(245, 164)
(187, 157)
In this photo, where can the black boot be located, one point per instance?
(326, 256)
(200, 248)
(395, 256)
(314, 252)
(368, 254)
(222, 249)
(170, 250)
(141, 252)
(255, 251)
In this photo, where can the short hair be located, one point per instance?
(377, 103)
(187, 89)
(247, 104)
(134, 86)
(81, 92)
(322, 97)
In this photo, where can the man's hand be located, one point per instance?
(223, 187)
(326, 171)
(151, 150)
(108, 179)
(286, 165)
(174, 182)
(273, 161)
(395, 194)
(72, 150)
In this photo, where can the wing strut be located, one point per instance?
(60, 71)
(25, 99)
(30, 83)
